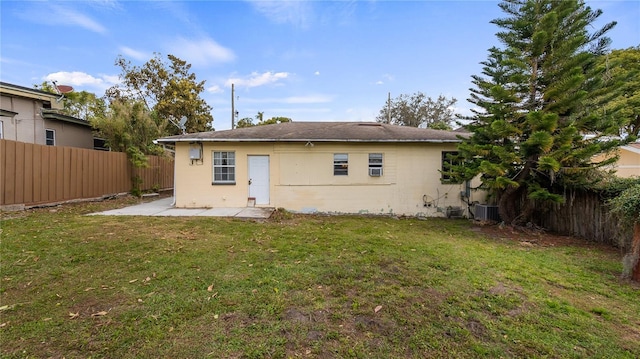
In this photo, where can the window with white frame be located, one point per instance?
(340, 164)
(50, 137)
(224, 167)
(375, 164)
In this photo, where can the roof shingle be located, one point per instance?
(321, 132)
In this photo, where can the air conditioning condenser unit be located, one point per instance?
(485, 212)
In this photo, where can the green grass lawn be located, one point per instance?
(301, 286)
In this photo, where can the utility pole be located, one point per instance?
(233, 109)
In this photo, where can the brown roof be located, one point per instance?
(321, 132)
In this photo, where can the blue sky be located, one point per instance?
(307, 60)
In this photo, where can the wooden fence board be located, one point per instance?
(35, 174)
(53, 172)
(28, 174)
(44, 184)
(10, 172)
(3, 150)
(19, 170)
(66, 173)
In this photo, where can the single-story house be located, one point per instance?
(328, 167)
(628, 163)
(34, 116)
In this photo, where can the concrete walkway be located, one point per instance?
(162, 207)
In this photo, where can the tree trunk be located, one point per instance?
(635, 251)
(511, 208)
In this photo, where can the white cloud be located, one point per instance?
(297, 13)
(201, 52)
(379, 82)
(82, 80)
(138, 55)
(257, 79)
(215, 89)
(317, 73)
(65, 16)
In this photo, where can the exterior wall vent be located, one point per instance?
(485, 212)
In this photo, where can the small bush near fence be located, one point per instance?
(35, 174)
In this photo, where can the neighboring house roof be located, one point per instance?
(55, 115)
(26, 92)
(321, 132)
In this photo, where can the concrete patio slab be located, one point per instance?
(164, 207)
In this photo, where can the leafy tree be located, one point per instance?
(79, 104)
(245, 122)
(274, 120)
(418, 110)
(621, 97)
(169, 90)
(248, 121)
(533, 136)
(128, 126)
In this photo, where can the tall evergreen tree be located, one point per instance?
(532, 135)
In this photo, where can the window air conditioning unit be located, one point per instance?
(485, 212)
(375, 172)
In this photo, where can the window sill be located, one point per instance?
(223, 184)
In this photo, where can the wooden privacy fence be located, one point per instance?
(584, 214)
(33, 174)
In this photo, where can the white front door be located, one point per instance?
(259, 178)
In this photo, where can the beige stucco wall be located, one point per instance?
(628, 164)
(69, 134)
(29, 126)
(302, 180)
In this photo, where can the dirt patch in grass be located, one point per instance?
(535, 237)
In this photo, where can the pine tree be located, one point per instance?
(532, 135)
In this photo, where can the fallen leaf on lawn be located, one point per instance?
(216, 316)
(88, 289)
(74, 315)
(146, 279)
(5, 307)
(377, 309)
(99, 314)
(133, 281)
(210, 288)
(3, 324)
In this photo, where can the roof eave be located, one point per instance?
(51, 115)
(197, 139)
